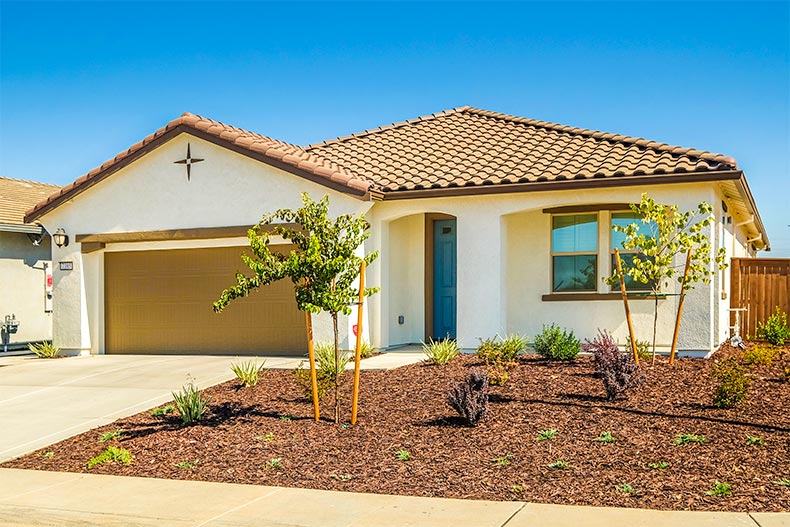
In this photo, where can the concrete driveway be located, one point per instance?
(45, 401)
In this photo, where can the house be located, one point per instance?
(486, 223)
(25, 271)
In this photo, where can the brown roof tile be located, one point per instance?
(17, 196)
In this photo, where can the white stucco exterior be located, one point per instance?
(503, 249)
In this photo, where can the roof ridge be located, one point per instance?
(30, 181)
(607, 136)
(398, 124)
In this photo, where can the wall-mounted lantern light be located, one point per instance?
(60, 238)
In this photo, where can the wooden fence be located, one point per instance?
(760, 284)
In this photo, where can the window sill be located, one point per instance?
(586, 297)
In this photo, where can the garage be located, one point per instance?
(159, 302)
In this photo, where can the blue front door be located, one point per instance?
(444, 278)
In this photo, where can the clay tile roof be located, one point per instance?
(470, 147)
(18, 195)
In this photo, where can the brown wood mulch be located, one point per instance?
(405, 409)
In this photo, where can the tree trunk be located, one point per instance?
(337, 371)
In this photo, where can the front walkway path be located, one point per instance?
(33, 498)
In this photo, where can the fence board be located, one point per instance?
(761, 284)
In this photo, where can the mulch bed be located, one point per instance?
(406, 409)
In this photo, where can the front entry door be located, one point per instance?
(444, 278)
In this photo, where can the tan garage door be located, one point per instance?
(160, 302)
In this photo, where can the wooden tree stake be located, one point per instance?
(625, 302)
(311, 354)
(355, 398)
(680, 308)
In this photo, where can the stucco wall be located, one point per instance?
(22, 286)
(405, 284)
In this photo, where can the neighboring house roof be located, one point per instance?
(16, 197)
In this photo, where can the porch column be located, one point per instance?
(480, 274)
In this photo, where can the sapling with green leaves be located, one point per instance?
(323, 266)
(658, 245)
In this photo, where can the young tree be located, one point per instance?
(323, 267)
(656, 253)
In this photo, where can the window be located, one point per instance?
(574, 252)
(622, 219)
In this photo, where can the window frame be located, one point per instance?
(596, 253)
(640, 287)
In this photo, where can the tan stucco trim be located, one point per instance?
(587, 208)
(201, 233)
(586, 297)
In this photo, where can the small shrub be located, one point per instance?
(498, 375)
(545, 435)
(325, 380)
(163, 410)
(325, 358)
(661, 465)
(759, 355)
(559, 464)
(190, 403)
(189, 465)
(617, 370)
(684, 439)
(720, 489)
(785, 482)
(733, 384)
(503, 461)
(365, 349)
(403, 455)
(119, 455)
(470, 397)
(556, 343)
(267, 438)
(625, 488)
(775, 330)
(752, 440)
(275, 463)
(440, 351)
(605, 437)
(642, 349)
(109, 436)
(45, 350)
(501, 350)
(248, 373)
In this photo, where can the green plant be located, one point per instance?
(785, 482)
(556, 343)
(684, 439)
(733, 384)
(286, 417)
(759, 355)
(503, 461)
(470, 397)
(625, 488)
(163, 410)
(325, 381)
(113, 453)
(267, 437)
(365, 349)
(190, 403)
(275, 463)
(752, 440)
(440, 351)
(501, 350)
(661, 465)
(642, 349)
(497, 375)
(109, 436)
(248, 373)
(517, 489)
(340, 477)
(775, 330)
(671, 235)
(605, 437)
(403, 455)
(186, 464)
(560, 464)
(618, 371)
(323, 266)
(49, 454)
(544, 435)
(44, 350)
(720, 489)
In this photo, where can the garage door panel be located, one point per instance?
(161, 302)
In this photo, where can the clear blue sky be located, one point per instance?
(83, 81)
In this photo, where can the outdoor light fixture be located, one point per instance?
(60, 238)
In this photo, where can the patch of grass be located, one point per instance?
(119, 455)
(189, 465)
(661, 465)
(190, 403)
(275, 463)
(753, 440)
(625, 488)
(49, 454)
(267, 437)
(109, 436)
(440, 352)
(403, 455)
(545, 435)
(341, 477)
(45, 350)
(684, 439)
(720, 489)
(163, 410)
(248, 373)
(560, 464)
(785, 482)
(503, 461)
(605, 437)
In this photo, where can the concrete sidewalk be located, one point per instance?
(33, 498)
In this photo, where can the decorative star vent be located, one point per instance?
(188, 161)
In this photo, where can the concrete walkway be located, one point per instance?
(33, 498)
(45, 401)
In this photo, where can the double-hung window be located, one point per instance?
(574, 252)
(626, 256)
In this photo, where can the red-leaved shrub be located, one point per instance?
(470, 397)
(617, 370)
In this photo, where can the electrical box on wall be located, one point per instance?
(47, 288)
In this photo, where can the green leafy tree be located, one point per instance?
(323, 266)
(657, 249)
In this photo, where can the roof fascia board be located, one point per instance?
(26, 229)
